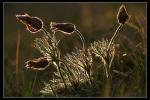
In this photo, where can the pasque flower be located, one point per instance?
(38, 64)
(66, 28)
(33, 24)
(122, 15)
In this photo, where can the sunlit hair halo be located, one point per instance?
(33, 24)
(66, 28)
(78, 67)
(38, 64)
(122, 15)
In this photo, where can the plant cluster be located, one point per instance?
(76, 72)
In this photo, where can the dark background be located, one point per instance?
(94, 20)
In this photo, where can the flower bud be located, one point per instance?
(66, 28)
(122, 15)
(33, 24)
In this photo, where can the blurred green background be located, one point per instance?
(94, 20)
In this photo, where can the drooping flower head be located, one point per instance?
(33, 24)
(38, 64)
(66, 28)
(122, 15)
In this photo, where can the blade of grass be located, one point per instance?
(34, 82)
(17, 66)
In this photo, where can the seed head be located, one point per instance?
(66, 28)
(122, 15)
(33, 24)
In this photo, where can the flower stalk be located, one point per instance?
(114, 36)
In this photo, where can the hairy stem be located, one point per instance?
(53, 90)
(114, 36)
(46, 33)
(56, 53)
(67, 69)
(108, 87)
(61, 75)
(82, 38)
